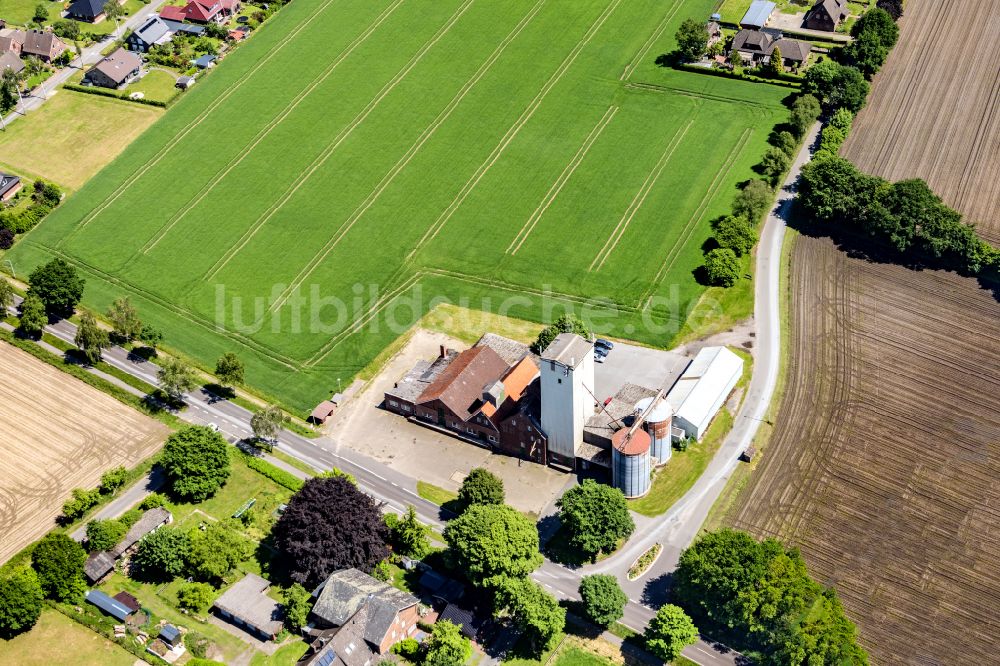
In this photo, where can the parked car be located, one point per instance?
(601, 343)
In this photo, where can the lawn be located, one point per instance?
(435, 494)
(677, 476)
(72, 136)
(517, 157)
(20, 12)
(158, 84)
(56, 639)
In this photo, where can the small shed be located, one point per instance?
(205, 61)
(758, 14)
(112, 607)
(322, 412)
(98, 565)
(247, 605)
(170, 635)
(185, 82)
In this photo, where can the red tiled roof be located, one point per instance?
(461, 384)
(514, 383)
(173, 13)
(199, 10)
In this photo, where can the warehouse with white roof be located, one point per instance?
(703, 388)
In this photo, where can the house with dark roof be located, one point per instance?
(466, 620)
(754, 47)
(825, 15)
(91, 11)
(43, 45)
(368, 617)
(10, 60)
(115, 70)
(153, 31)
(185, 28)
(99, 565)
(9, 185)
(12, 40)
(247, 605)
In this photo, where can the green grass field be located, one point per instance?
(56, 639)
(359, 161)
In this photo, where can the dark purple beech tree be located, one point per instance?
(330, 525)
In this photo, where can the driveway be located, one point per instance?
(652, 368)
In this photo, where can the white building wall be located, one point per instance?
(567, 403)
(703, 388)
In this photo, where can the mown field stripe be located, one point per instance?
(266, 130)
(160, 154)
(321, 159)
(514, 130)
(689, 226)
(639, 198)
(561, 181)
(631, 67)
(407, 157)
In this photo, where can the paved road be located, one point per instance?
(90, 56)
(675, 530)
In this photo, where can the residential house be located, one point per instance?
(247, 605)
(43, 45)
(115, 70)
(826, 15)
(359, 619)
(91, 11)
(173, 13)
(758, 14)
(754, 47)
(9, 184)
(10, 60)
(204, 11)
(99, 565)
(12, 40)
(153, 31)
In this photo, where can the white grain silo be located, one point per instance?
(657, 419)
(567, 379)
(630, 465)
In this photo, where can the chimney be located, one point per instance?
(442, 351)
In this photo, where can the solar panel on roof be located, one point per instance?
(327, 658)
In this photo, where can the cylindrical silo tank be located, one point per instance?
(659, 419)
(630, 466)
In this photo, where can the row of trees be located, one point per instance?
(907, 215)
(735, 234)
(761, 592)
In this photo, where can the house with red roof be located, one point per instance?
(488, 394)
(209, 11)
(173, 13)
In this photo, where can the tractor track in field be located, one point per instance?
(266, 130)
(883, 465)
(514, 130)
(183, 313)
(644, 50)
(162, 152)
(639, 198)
(954, 142)
(424, 137)
(327, 152)
(561, 181)
(689, 226)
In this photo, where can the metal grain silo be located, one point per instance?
(630, 466)
(658, 420)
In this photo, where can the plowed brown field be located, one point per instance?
(885, 464)
(56, 434)
(934, 110)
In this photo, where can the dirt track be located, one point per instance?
(56, 434)
(885, 465)
(934, 110)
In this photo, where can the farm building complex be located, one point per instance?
(543, 408)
